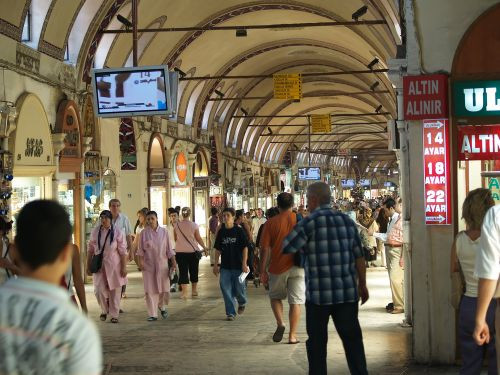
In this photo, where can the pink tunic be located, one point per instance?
(109, 276)
(154, 247)
(185, 243)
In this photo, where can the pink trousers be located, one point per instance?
(155, 301)
(109, 301)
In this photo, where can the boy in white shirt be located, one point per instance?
(41, 330)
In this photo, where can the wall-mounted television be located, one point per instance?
(127, 92)
(347, 183)
(310, 174)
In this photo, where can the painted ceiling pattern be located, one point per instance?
(74, 27)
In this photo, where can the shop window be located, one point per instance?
(26, 35)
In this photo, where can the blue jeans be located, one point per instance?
(473, 354)
(232, 289)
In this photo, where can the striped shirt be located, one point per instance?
(330, 244)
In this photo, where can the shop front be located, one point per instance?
(157, 178)
(69, 164)
(180, 191)
(201, 192)
(33, 156)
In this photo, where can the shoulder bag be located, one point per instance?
(96, 261)
(197, 252)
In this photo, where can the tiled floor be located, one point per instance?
(196, 339)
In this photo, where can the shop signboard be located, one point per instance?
(425, 97)
(476, 99)
(494, 186)
(437, 187)
(479, 142)
(287, 86)
(180, 168)
(321, 123)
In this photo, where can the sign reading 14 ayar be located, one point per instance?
(437, 187)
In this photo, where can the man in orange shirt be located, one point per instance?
(285, 279)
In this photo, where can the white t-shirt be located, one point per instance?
(42, 332)
(488, 256)
(466, 253)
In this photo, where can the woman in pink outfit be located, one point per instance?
(153, 254)
(109, 279)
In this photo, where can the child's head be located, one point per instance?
(43, 236)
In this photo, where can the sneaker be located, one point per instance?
(241, 309)
(164, 313)
(230, 318)
(152, 319)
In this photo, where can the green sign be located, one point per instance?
(476, 98)
(494, 186)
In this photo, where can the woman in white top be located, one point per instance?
(187, 238)
(463, 259)
(7, 267)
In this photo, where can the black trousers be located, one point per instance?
(188, 267)
(345, 318)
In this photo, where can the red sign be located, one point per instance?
(479, 142)
(437, 187)
(425, 97)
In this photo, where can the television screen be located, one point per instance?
(348, 183)
(126, 92)
(310, 174)
(364, 182)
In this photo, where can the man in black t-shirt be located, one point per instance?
(231, 244)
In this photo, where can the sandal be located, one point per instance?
(114, 320)
(103, 317)
(278, 334)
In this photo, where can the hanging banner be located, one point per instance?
(425, 97)
(479, 142)
(437, 187)
(287, 86)
(321, 124)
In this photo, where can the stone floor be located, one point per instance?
(196, 339)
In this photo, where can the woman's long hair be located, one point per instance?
(144, 212)
(477, 202)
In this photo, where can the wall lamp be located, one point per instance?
(219, 93)
(373, 63)
(378, 109)
(241, 33)
(124, 21)
(374, 86)
(245, 112)
(181, 73)
(360, 12)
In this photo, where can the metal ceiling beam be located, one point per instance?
(250, 27)
(334, 94)
(334, 124)
(313, 134)
(317, 74)
(318, 141)
(306, 116)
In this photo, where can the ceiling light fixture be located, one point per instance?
(181, 73)
(124, 21)
(245, 112)
(241, 33)
(378, 109)
(374, 86)
(219, 93)
(374, 62)
(360, 12)
(269, 130)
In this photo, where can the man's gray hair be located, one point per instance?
(321, 191)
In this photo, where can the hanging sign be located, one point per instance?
(321, 124)
(437, 187)
(425, 97)
(476, 98)
(180, 168)
(287, 86)
(479, 142)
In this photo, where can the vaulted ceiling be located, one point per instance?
(76, 25)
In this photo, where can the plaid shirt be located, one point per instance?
(330, 243)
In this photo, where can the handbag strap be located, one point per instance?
(183, 235)
(99, 239)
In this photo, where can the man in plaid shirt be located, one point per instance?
(335, 279)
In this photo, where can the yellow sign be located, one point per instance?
(494, 186)
(321, 124)
(287, 86)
